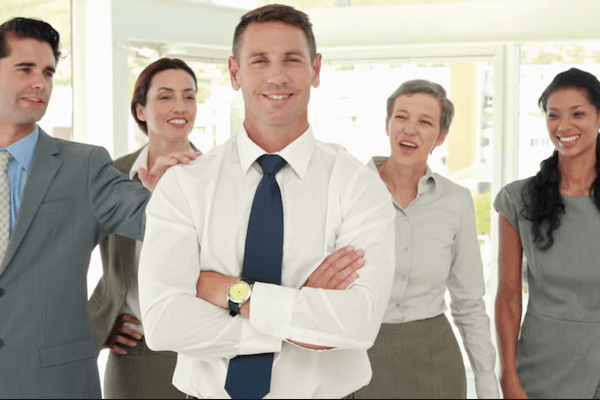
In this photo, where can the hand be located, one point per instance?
(512, 389)
(161, 165)
(338, 270)
(122, 335)
(212, 287)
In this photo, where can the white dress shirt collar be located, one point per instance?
(140, 162)
(297, 154)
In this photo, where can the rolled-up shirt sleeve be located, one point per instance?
(174, 318)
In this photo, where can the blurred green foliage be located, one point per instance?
(482, 202)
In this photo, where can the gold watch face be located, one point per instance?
(239, 292)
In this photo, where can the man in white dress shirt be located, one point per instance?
(196, 230)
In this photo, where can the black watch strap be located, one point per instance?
(234, 308)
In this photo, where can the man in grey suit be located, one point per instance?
(64, 198)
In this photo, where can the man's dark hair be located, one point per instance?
(275, 13)
(27, 28)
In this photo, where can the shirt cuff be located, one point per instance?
(487, 386)
(271, 308)
(255, 342)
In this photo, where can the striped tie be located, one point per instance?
(5, 157)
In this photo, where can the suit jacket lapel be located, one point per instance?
(43, 169)
(125, 163)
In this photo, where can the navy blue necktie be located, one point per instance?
(249, 376)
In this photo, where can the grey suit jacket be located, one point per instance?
(119, 267)
(73, 198)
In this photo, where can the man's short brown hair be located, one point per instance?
(275, 13)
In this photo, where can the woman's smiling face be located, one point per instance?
(573, 122)
(414, 128)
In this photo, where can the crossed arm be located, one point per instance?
(175, 319)
(337, 271)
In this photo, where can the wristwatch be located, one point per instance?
(237, 294)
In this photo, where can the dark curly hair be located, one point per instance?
(541, 196)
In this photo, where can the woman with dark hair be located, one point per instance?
(416, 354)
(164, 107)
(553, 219)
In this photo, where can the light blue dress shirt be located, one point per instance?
(18, 168)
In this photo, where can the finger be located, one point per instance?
(341, 276)
(184, 158)
(331, 259)
(127, 342)
(337, 255)
(163, 163)
(142, 173)
(118, 350)
(344, 262)
(193, 155)
(149, 181)
(131, 332)
(343, 285)
(181, 158)
(130, 318)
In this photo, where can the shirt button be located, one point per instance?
(405, 248)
